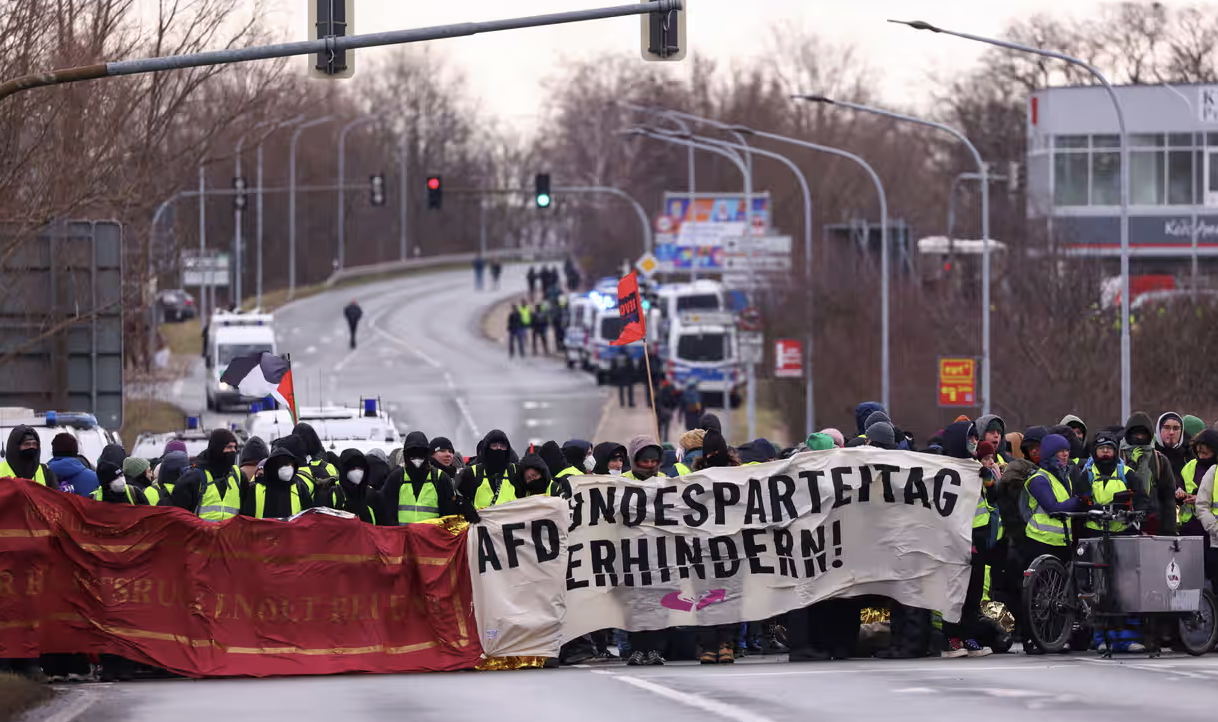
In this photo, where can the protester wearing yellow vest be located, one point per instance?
(417, 490)
(113, 485)
(1106, 476)
(315, 455)
(352, 493)
(22, 455)
(138, 474)
(1045, 492)
(278, 492)
(493, 479)
(1197, 518)
(212, 489)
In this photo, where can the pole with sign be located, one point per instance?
(788, 359)
(957, 382)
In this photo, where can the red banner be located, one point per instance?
(246, 597)
(630, 309)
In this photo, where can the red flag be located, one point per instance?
(630, 308)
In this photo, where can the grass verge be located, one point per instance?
(149, 416)
(183, 339)
(19, 694)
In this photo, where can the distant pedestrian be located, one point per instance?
(516, 331)
(541, 322)
(622, 374)
(479, 268)
(496, 272)
(532, 277)
(353, 313)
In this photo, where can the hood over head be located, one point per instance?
(312, 441)
(1074, 422)
(757, 450)
(12, 451)
(216, 441)
(553, 456)
(378, 468)
(955, 439)
(714, 449)
(495, 461)
(279, 458)
(642, 441)
(172, 466)
(985, 422)
(1140, 420)
(534, 461)
(575, 451)
(862, 411)
(255, 450)
(1208, 437)
(110, 463)
(351, 459)
(709, 421)
(604, 451)
(820, 442)
(1162, 420)
(294, 445)
(417, 442)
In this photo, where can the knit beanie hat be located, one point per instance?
(985, 449)
(135, 467)
(1192, 426)
(691, 440)
(820, 442)
(839, 440)
(64, 444)
(882, 435)
(174, 445)
(875, 418)
(1052, 444)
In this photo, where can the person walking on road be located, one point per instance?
(621, 373)
(479, 269)
(353, 313)
(496, 272)
(516, 332)
(532, 278)
(541, 321)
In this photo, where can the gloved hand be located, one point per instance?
(471, 515)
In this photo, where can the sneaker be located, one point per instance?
(637, 659)
(976, 650)
(709, 656)
(725, 654)
(654, 659)
(955, 648)
(1130, 648)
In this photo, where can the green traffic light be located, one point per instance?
(543, 200)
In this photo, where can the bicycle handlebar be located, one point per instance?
(1101, 514)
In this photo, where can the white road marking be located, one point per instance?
(1160, 668)
(898, 670)
(531, 423)
(721, 709)
(83, 701)
(536, 404)
(311, 349)
(339, 366)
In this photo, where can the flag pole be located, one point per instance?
(655, 419)
(291, 407)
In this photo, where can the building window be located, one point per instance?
(1086, 169)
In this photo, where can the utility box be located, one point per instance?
(61, 318)
(1151, 574)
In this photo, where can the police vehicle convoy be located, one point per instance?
(691, 327)
(365, 427)
(229, 336)
(91, 438)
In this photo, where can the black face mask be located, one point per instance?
(229, 457)
(497, 458)
(29, 456)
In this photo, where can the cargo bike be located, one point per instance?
(1112, 580)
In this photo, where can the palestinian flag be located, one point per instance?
(262, 374)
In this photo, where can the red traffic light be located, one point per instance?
(433, 183)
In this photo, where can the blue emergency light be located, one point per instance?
(369, 407)
(52, 419)
(192, 422)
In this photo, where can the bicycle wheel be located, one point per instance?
(1048, 603)
(1199, 632)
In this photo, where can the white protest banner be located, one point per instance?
(518, 558)
(747, 543)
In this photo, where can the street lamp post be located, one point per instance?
(239, 213)
(1126, 345)
(982, 172)
(810, 407)
(751, 400)
(258, 201)
(611, 190)
(1193, 198)
(879, 187)
(342, 178)
(693, 269)
(292, 201)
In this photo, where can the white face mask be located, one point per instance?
(615, 472)
(119, 485)
(417, 462)
(355, 476)
(286, 473)
(589, 463)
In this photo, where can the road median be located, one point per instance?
(20, 694)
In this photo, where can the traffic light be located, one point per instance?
(239, 200)
(434, 197)
(331, 19)
(378, 189)
(542, 192)
(663, 36)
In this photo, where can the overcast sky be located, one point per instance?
(505, 68)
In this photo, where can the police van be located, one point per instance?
(194, 436)
(91, 438)
(580, 310)
(701, 348)
(365, 428)
(229, 336)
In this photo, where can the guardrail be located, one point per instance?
(410, 264)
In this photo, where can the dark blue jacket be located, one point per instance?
(71, 470)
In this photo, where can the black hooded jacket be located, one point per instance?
(955, 439)
(575, 451)
(360, 499)
(552, 455)
(1160, 477)
(378, 470)
(278, 504)
(605, 451)
(312, 441)
(534, 461)
(212, 460)
(22, 468)
(449, 502)
(490, 467)
(109, 468)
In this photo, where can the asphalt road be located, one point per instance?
(422, 352)
(992, 689)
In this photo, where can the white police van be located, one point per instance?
(91, 438)
(229, 336)
(366, 427)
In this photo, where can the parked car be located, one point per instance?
(176, 305)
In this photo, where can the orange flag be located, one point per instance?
(630, 308)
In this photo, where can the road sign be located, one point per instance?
(788, 359)
(752, 347)
(647, 265)
(207, 270)
(957, 382)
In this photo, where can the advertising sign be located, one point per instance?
(788, 359)
(957, 382)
